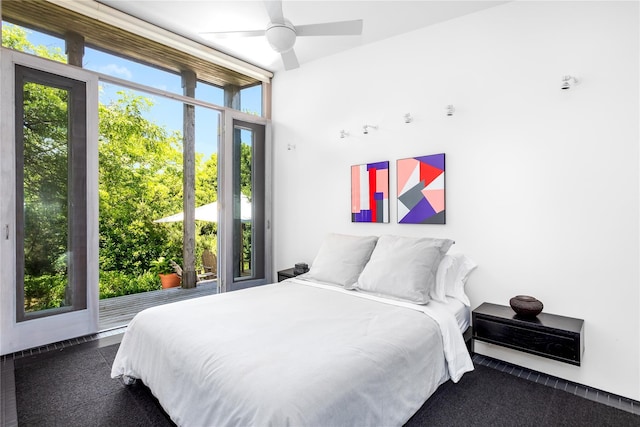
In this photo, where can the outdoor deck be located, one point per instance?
(118, 311)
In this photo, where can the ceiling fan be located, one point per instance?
(281, 33)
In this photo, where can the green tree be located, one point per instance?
(140, 180)
(45, 159)
(206, 179)
(245, 170)
(15, 37)
(45, 156)
(140, 167)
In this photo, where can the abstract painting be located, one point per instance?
(370, 192)
(421, 190)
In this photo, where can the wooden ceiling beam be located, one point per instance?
(56, 20)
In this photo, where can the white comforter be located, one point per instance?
(293, 353)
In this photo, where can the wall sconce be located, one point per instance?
(365, 128)
(408, 118)
(343, 133)
(568, 82)
(450, 109)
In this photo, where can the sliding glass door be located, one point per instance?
(246, 194)
(48, 171)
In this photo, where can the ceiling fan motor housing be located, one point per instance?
(281, 37)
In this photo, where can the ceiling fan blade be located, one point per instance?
(342, 28)
(290, 60)
(232, 34)
(274, 10)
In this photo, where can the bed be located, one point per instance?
(301, 352)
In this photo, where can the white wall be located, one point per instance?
(542, 184)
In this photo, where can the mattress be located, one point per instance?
(294, 353)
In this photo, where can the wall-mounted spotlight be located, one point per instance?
(365, 128)
(450, 109)
(343, 133)
(408, 118)
(568, 82)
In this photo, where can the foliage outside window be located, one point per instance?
(140, 180)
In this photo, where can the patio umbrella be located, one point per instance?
(209, 212)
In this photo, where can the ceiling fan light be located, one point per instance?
(281, 37)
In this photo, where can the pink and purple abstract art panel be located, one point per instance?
(370, 192)
(421, 190)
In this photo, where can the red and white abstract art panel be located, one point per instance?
(370, 192)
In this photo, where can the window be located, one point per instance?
(251, 100)
(141, 147)
(134, 71)
(34, 42)
(51, 217)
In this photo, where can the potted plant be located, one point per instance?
(168, 277)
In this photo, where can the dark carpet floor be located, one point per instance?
(72, 387)
(488, 397)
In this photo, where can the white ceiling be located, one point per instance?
(382, 19)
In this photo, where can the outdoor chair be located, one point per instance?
(209, 265)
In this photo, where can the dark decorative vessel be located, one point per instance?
(300, 268)
(526, 306)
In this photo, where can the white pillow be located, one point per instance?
(341, 258)
(452, 276)
(403, 268)
(438, 291)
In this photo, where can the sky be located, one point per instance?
(165, 112)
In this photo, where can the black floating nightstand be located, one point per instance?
(285, 274)
(547, 335)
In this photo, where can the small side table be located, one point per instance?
(285, 274)
(547, 335)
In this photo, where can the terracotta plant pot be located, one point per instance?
(171, 280)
